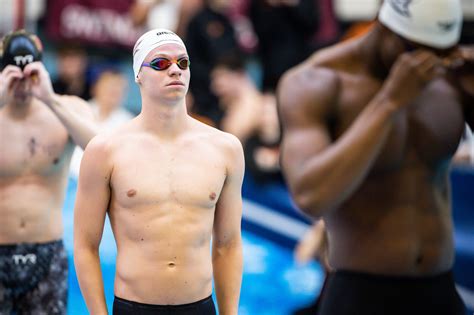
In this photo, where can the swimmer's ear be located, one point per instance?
(137, 79)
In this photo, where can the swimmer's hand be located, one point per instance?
(461, 57)
(41, 87)
(410, 74)
(461, 67)
(313, 245)
(10, 76)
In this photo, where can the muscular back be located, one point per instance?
(35, 154)
(396, 219)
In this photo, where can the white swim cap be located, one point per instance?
(434, 23)
(149, 41)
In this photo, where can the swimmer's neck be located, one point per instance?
(19, 110)
(166, 120)
(368, 49)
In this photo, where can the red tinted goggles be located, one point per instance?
(161, 64)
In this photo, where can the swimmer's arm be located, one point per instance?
(469, 101)
(461, 74)
(227, 239)
(76, 115)
(323, 172)
(313, 245)
(92, 201)
(73, 112)
(8, 76)
(465, 88)
(467, 95)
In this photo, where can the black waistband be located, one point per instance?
(157, 306)
(374, 294)
(440, 277)
(11, 248)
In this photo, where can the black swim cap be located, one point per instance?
(19, 49)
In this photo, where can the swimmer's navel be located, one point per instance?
(131, 193)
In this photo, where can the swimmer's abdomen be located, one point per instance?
(164, 253)
(165, 272)
(396, 223)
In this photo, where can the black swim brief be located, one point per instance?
(202, 307)
(33, 279)
(356, 293)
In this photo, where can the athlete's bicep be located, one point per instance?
(306, 103)
(299, 145)
(79, 106)
(228, 213)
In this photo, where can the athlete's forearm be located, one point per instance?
(89, 275)
(468, 101)
(81, 129)
(227, 267)
(329, 178)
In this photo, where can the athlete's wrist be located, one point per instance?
(53, 101)
(389, 105)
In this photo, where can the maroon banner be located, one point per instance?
(102, 23)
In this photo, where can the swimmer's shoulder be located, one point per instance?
(220, 139)
(315, 84)
(109, 140)
(308, 87)
(323, 67)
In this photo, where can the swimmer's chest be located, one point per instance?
(189, 174)
(427, 130)
(37, 145)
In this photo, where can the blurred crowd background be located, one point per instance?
(238, 50)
